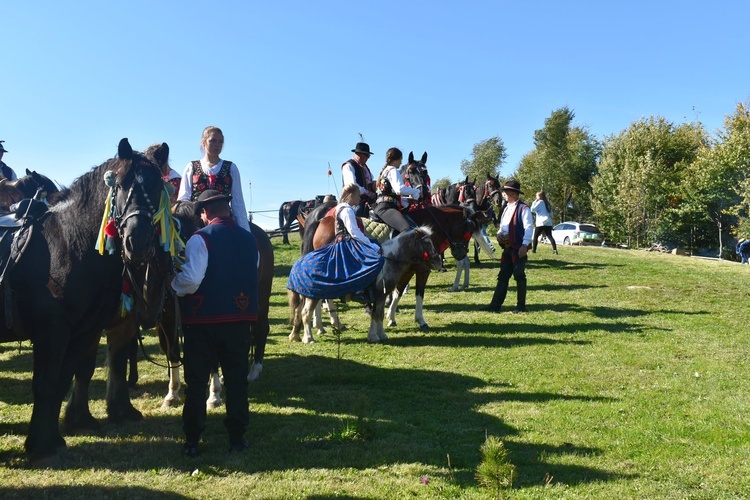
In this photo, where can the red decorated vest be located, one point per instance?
(222, 182)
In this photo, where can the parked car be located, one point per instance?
(577, 233)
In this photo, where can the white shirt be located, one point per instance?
(193, 271)
(237, 203)
(348, 176)
(345, 212)
(397, 184)
(526, 220)
(543, 216)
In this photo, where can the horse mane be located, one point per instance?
(390, 247)
(184, 211)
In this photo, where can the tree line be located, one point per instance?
(654, 182)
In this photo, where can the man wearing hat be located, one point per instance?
(514, 236)
(5, 170)
(219, 289)
(356, 171)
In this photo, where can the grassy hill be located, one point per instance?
(627, 378)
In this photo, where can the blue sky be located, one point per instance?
(292, 84)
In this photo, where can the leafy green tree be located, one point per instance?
(487, 157)
(638, 176)
(562, 164)
(441, 183)
(715, 187)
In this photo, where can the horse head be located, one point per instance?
(492, 190)
(137, 195)
(415, 175)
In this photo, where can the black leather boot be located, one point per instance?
(521, 304)
(497, 298)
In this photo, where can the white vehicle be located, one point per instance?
(577, 233)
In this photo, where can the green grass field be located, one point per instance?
(627, 378)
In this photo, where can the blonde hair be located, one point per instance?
(349, 191)
(208, 131)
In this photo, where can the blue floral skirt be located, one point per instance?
(335, 270)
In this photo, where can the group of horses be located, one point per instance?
(62, 286)
(449, 226)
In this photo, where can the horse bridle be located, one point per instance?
(137, 181)
(426, 257)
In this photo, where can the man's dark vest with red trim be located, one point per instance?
(229, 290)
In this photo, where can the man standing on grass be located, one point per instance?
(219, 283)
(514, 236)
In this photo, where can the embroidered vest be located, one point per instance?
(222, 181)
(229, 290)
(515, 228)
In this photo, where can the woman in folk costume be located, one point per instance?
(391, 189)
(350, 263)
(175, 179)
(211, 172)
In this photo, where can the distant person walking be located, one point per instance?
(743, 250)
(543, 223)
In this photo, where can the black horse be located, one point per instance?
(414, 173)
(289, 212)
(66, 291)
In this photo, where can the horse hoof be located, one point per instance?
(213, 403)
(392, 323)
(321, 331)
(53, 461)
(82, 427)
(341, 328)
(424, 327)
(255, 370)
(374, 340)
(382, 336)
(454, 289)
(170, 403)
(308, 341)
(294, 338)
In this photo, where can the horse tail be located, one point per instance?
(281, 215)
(294, 302)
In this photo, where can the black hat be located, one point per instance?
(513, 185)
(2, 148)
(362, 147)
(207, 197)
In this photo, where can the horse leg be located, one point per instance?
(119, 342)
(333, 312)
(295, 307)
(307, 310)
(133, 362)
(467, 270)
(261, 328)
(78, 418)
(462, 267)
(395, 297)
(419, 299)
(318, 317)
(376, 332)
(214, 390)
(476, 253)
(172, 398)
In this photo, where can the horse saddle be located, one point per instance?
(15, 234)
(376, 230)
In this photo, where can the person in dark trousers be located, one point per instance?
(543, 211)
(219, 289)
(514, 236)
(391, 190)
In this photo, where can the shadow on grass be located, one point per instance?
(87, 492)
(413, 416)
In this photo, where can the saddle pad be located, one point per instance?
(376, 230)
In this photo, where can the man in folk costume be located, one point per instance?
(356, 171)
(219, 289)
(5, 170)
(514, 236)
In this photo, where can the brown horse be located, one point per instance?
(451, 226)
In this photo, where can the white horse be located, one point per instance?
(408, 251)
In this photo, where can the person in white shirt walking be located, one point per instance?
(543, 223)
